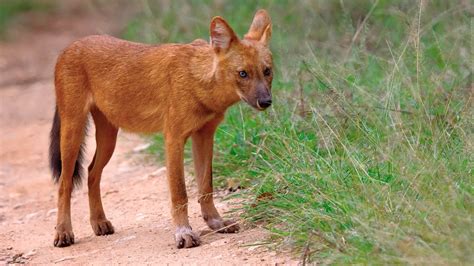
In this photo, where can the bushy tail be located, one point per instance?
(55, 154)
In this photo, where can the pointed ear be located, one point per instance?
(267, 35)
(261, 28)
(222, 35)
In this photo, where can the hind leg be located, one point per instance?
(106, 137)
(72, 135)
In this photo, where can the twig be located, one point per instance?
(216, 231)
(301, 93)
(65, 259)
(385, 109)
(306, 250)
(329, 242)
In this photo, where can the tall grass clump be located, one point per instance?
(367, 154)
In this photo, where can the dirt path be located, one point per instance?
(135, 193)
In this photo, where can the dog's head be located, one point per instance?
(245, 63)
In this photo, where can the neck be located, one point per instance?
(216, 92)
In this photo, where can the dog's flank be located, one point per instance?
(182, 90)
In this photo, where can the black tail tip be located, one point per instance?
(55, 163)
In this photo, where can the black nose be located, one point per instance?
(265, 103)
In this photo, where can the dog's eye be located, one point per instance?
(243, 74)
(267, 71)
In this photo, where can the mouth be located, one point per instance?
(259, 107)
(243, 98)
(255, 106)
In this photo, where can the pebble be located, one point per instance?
(124, 168)
(30, 253)
(110, 192)
(140, 217)
(31, 216)
(17, 259)
(252, 248)
(142, 147)
(64, 259)
(52, 212)
(17, 206)
(157, 173)
(127, 238)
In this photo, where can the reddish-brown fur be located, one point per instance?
(182, 90)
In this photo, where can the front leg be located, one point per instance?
(184, 236)
(203, 141)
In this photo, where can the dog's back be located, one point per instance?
(131, 83)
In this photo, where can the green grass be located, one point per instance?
(367, 154)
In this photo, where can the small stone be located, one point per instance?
(252, 248)
(30, 253)
(52, 212)
(142, 147)
(221, 205)
(31, 216)
(17, 206)
(110, 192)
(14, 195)
(124, 168)
(140, 217)
(124, 239)
(16, 258)
(159, 172)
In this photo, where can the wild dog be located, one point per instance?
(182, 90)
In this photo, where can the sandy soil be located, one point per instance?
(135, 193)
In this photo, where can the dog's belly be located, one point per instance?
(139, 121)
(125, 113)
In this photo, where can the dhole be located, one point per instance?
(182, 90)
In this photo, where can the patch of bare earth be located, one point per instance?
(135, 193)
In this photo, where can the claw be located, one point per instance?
(63, 239)
(186, 238)
(103, 227)
(64, 236)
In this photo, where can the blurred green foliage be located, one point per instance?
(9, 9)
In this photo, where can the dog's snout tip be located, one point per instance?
(265, 103)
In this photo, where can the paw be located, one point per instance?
(102, 227)
(64, 237)
(186, 238)
(223, 226)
